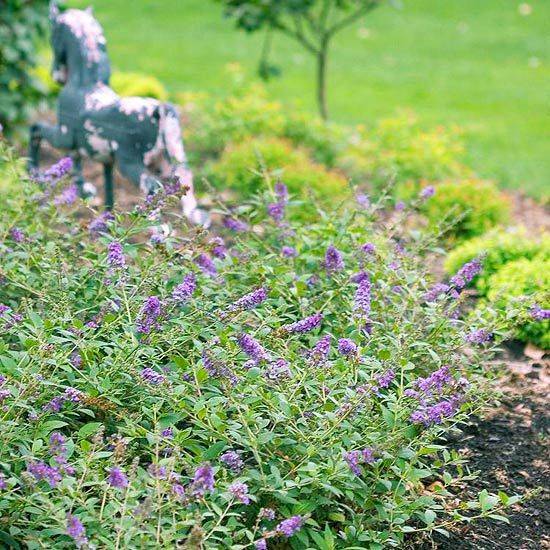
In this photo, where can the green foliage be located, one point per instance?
(241, 164)
(20, 25)
(525, 281)
(478, 203)
(498, 247)
(76, 359)
(400, 147)
(137, 84)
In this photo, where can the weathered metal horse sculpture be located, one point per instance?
(139, 134)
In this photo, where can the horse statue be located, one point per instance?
(141, 135)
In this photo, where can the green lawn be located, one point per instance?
(479, 63)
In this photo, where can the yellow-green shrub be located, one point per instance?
(239, 168)
(479, 203)
(529, 278)
(498, 248)
(401, 147)
(137, 84)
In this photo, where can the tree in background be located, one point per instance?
(21, 23)
(311, 23)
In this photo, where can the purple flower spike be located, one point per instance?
(117, 478)
(233, 461)
(318, 355)
(305, 325)
(466, 273)
(427, 192)
(540, 314)
(206, 264)
(289, 252)
(240, 491)
(235, 225)
(290, 526)
(333, 260)
(67, 196)
(17, 235)
(184, 291)
(250, 300)
(368, 248)
(347, 347)
(152, 377)
(437, 290)
(59, 169)
(260, 544)
(115, 255)
(41, 470)
(385, 379)
(281, 191)
(203, 480)
(76, 531)
(479, 336)
(276, 210)
(252, 348)
(150, 315)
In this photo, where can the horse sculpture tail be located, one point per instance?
(170, 132)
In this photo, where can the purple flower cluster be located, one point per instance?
(355, 458)
(67, 196)
(334, 260)
(76, 531)
(150, 315)
(71, 394)
(115, 255)
(152, 377)
(276, 210)
(540, 314)
(58, 170)
(385, 379)
(234, 224)
(466, 273)
(250, 300)
(240, 491)
(289, 252)
(479, 336)
(58, 450)
(347, 347)
(218, 248)
(362, 303)
(252, 348)
(277, 370)
(304, 325)
(206, 264)
(117, 478)
(437, 290)
(435, 414)
(17, 235)
(42, 471)
(233, 461)
(184, 291)
(217, 369)
(290, 526)
(99, 224)
(427, 192)
(368, 248)
(203, 480)
(266, 513)
(362, 200)
(318, 355)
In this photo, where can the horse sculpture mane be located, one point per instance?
(141, 135)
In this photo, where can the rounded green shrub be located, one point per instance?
(529, 279)
(137, 84)
(477, 204)
(240, 168)
(498, 247)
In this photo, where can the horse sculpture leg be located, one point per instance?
(109, 190)
(34, 147)
(137, 173)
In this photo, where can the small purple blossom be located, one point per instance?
(67, 196)
(540, 314)
(368, 248)
(150, 315)
(479, 336)
(152, 377)
(217, 369)
(57, 444)
(362, 303)
(427, 192)
(289, 252)
(318, 355)
(3, 483)
(206, 264)
(240, 491)
(466, 273)
(117, 478)
(260, 544)
(42, 471)
(58, 170)
(437, 413)
(252, 348)
(290, 526)
(437, 290)
(17, 235)
(266, 513)
(233, 461)
(75, 359)
(362, 200)
(184, 291)
(333, 260)
(347, 347)
(115, 255)
(168, 433)
(399, 206)
(278, 370)
(218, 248)
(203, 480)
(281, 192)
(276, 210)
(436, 381)
(355, 458)
(99, 223)
(4, 394)
(250, 300)
(76, 531)
(304, 325)
(234, 224)
(385, 379)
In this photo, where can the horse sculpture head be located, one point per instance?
(79, 47)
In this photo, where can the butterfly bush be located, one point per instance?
(229, 400)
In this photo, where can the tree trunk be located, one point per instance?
(322, 80)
